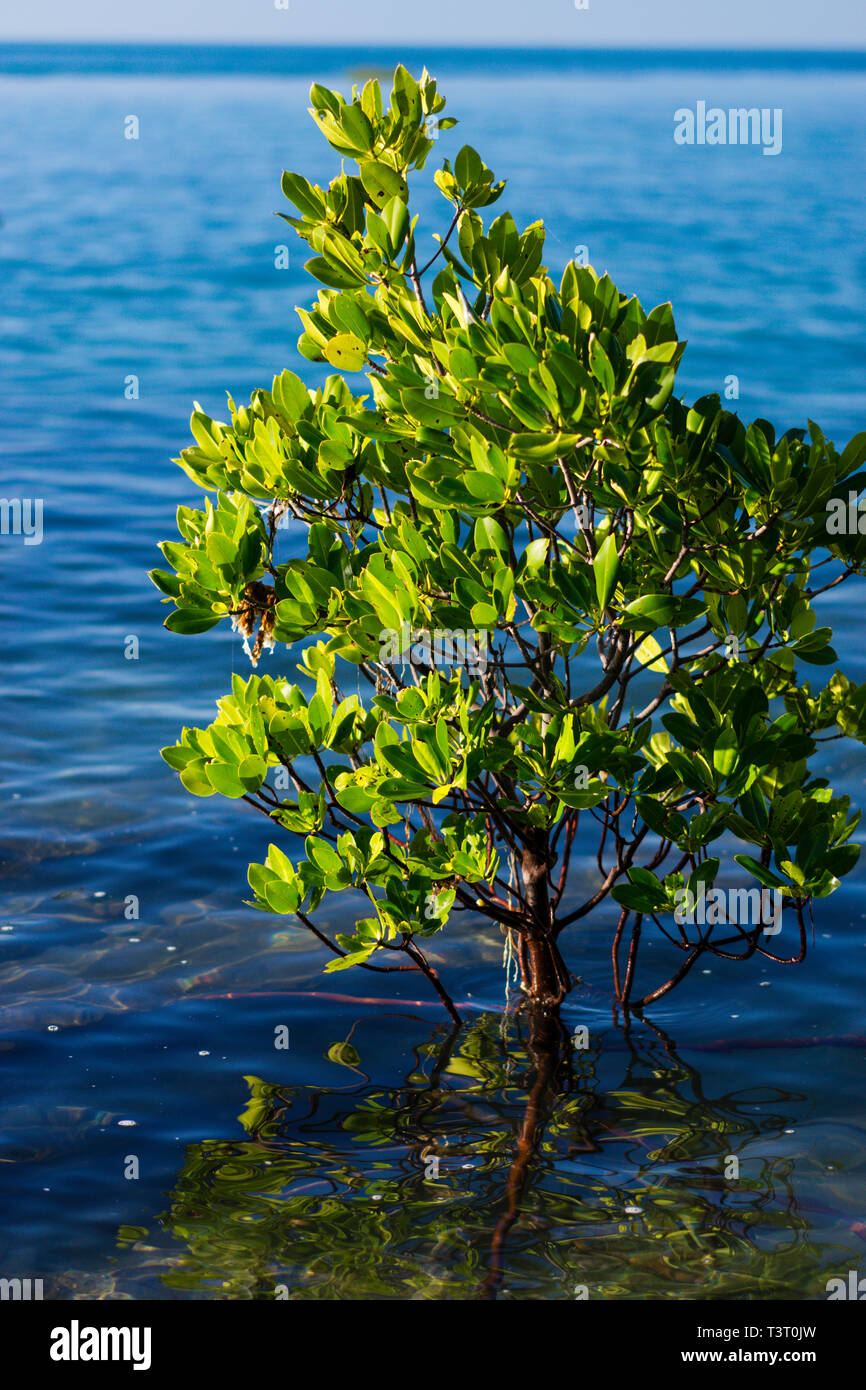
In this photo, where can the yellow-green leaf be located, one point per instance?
(346, 352)
(649, 654)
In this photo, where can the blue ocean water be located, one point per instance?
(155, 258)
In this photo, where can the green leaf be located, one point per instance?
(382, 183)
(357, 800)
(252, 772)
(468, 166)
(703, 878)
(290, 395)
(600, 366)
(485, 487)
(346, 352)
(762, 874)
(660, 610)
(189, 620)
(725, 752)
(356, 126)
(195, 781)
(636, 898)
(489, 535)
(649, 654)
(345, 962)
(535, 555)
(343, 1053)
(225, 780)
(166, 582)
(605, 568)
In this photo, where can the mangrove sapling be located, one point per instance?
(574, 601)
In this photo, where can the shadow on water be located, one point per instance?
(502, 1166)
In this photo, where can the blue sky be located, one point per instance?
(680, 23)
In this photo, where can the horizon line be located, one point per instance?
(517, 45)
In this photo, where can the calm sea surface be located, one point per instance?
(130, 1038)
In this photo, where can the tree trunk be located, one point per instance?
(543, 976)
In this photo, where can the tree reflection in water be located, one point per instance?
(548, 1182)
